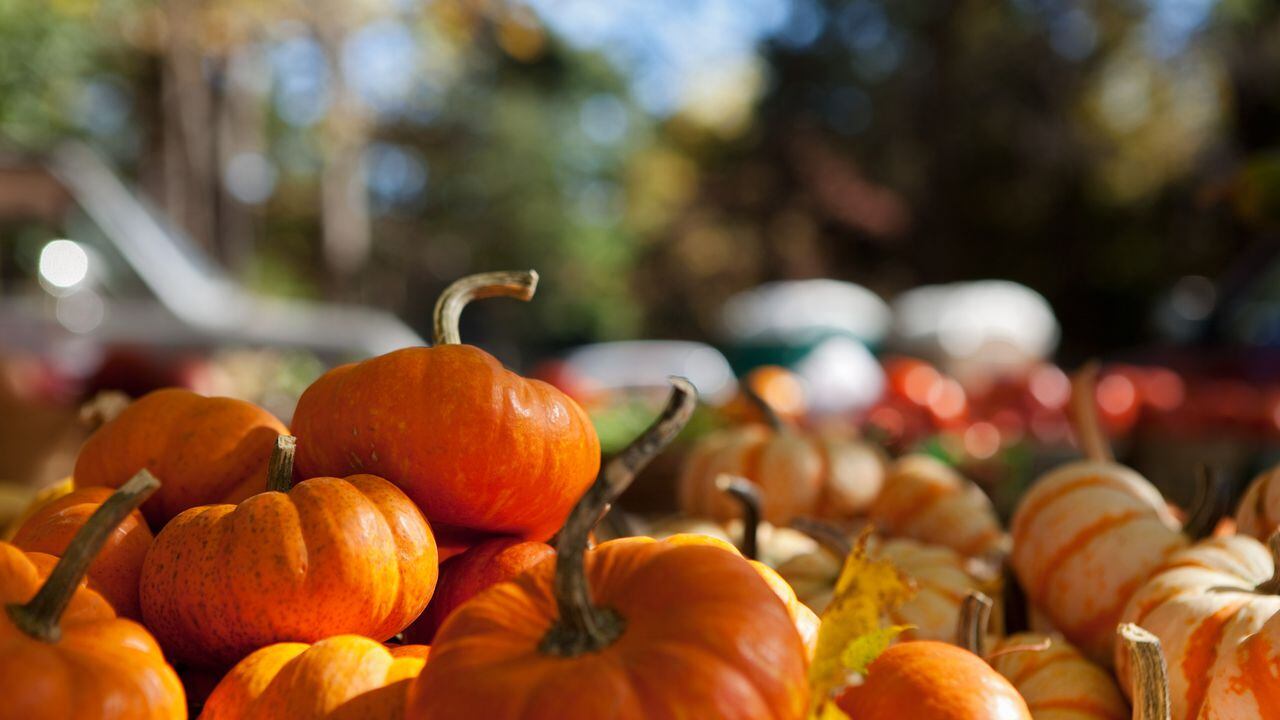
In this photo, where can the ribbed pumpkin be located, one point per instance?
(480, 449)
(205, 450)
(1055, 679)
(924, 499)
(345, 677)
(942, 579)
(63, 652)
(930, 679)
(800, 475)
(631, 631)
(326, 557)
(1205, 605)
(1087, 535)
(118, 566)
(1259, 512)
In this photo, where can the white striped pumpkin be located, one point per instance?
(942, 579)
(1085, 538)
(800, 475)
(1057, 680)
(1209, 612)
(927, 500)
(1258, 514)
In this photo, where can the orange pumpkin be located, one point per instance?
(338, 678)
(1055, 679)
(781, 389)
(800, 475)
(480, 449)
(935, 680)
(118, 566)
(206, 450)
(325, 557)
(465, 575)
(63, 651)
(1259, 512)
(1087, 535)
(1206, 606)
(925, 499)
(629, 630)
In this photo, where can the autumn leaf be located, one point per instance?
(851, 635)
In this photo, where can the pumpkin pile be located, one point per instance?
(426, 541)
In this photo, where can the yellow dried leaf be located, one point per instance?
(851, 635)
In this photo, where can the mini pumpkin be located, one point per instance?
(1055, 679)
(1258, 514)
(345, 677)
(927, 500)
(116, 570)
(799, 474)
(324, 557)
(63, 651)
(206, 450)
(480, 449)
(1088, 534)
(1205, 605)
(629, 630)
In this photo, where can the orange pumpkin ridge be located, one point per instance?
(631, 630)
(63, 651)
(328, 557)
(481, 450)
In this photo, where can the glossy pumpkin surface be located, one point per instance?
(331, 556)
(704, 637)
(928, 679)
(116, 571)
(924, 499)
(204, 450)
(338, 678)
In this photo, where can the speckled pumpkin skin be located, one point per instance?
(329, 557)
(204, 450)
(103, 667)
(116, 570)
(339, 678)
(705, 637)
(480, 449)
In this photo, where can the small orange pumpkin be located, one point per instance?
(800, 475)
(935, 680)
(326, 557)
(927, 500)
(118, 566)
(206, 450)
(1088, 534)
(345, 677)
(480, 449)
(630, 630)
(63, 651)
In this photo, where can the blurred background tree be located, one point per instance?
(651, 156)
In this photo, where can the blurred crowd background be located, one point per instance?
(1118, 162)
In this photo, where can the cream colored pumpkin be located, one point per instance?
(1209, 606)
(799, 474)
(1056, 679)
(942, 578)
(1259, 512)
(1085, 538)
(925, 499)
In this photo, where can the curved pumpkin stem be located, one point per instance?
(40, 616)
(280, 467)
(519, 284)
(828, 536)
(748, 496)
(1271, 586)
(975, 619)
(1151, 683)
(1210, 504)
(771, 416)
(1084, 414)
(583, 627)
